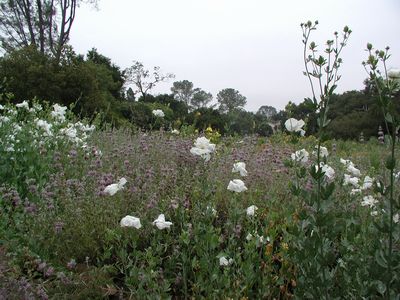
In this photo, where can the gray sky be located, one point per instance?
(253, 46)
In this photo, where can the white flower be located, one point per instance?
(69, 132)
(374, 213)
(249, 237)
(300, 156)
(1, 107)
(240, 167)
(112, 189)
(224, 262)
(394, 73)
(59, 112)
(396, 218)
(24, 104)
(302, 132)
(130, 221)
(158, 113)
(351, 180)
(236, 185)
(346, 162)
(4, 119)
(323, 152)
(329, 171)
(368, 182)
(175, 131)
(203, 148)
(353, 170)
(294, 125)
(369, 201)
(251, 210)
(45, 126)
(161, 223)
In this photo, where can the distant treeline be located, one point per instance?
(96, 86)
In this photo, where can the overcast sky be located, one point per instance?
(253, 46)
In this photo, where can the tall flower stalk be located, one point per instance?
(314, 241)
(385, 88)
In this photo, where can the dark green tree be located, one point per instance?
(267, 111)
(230, 99)
(200, 99)
(183, 91)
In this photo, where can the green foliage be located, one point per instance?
(90, 84)
(230, 99)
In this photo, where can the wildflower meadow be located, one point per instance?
(91, 211)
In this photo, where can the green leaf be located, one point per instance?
(380, 286)
(389, 117)
(380, 259)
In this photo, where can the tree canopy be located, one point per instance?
(230, 99)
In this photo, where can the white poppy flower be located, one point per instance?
(161, 223)
(394, 73)
(203, 148)
(300, 156)
(237, 185)
(328, 170)
(368, 182)
(240, 167)
(224, 262)
(369, 201)
(158, 113)
(294, 125)
(59, 112)
(354, 171)
(251, 210)
(323, 151)
(112, 189)
(346, 162)
(351, 180)
(45, 126)
(130, 221)
(24, 104)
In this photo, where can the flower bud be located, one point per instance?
(369, 46)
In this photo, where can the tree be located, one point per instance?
(45, 24)
(118, 77)
(267, 111)
(183, 91)
(230, 99)
(143, 79)
(200, 99)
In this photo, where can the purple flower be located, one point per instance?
(58, 227)
(49, 272)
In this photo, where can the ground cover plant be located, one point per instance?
(89, 212)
